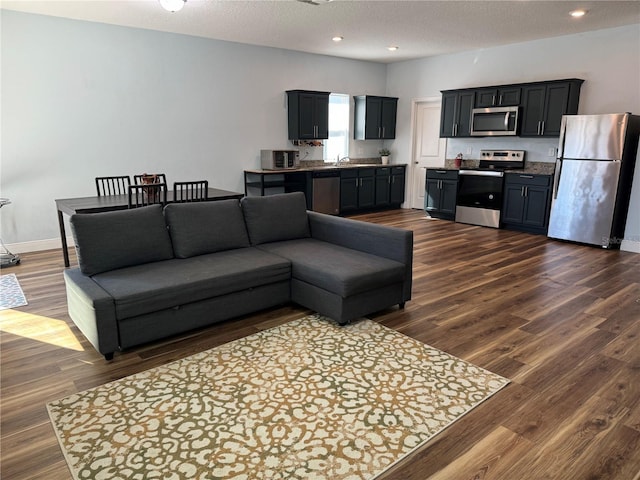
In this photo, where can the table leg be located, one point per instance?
(63, 237)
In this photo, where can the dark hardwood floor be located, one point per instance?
(562, 321)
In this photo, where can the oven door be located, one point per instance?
(479, 198)
(478, 188)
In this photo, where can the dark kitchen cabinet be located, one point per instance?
(455, 116)
(357, 189)
(497, 97)
(396, 190)
(544, 104)
(383, 186)
(374, 117)
(440, 194)
(308, 115)
(527, 202)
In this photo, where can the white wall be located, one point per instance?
(608, 60)
(82, 99)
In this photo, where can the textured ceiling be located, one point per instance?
(418, 28)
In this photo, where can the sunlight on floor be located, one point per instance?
(39, 328)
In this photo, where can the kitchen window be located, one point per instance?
(337, 145)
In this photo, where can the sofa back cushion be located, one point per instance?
(276, 217)
(110, 240)
(198, 228)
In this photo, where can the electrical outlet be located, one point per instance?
(552, 152)
(469, 150)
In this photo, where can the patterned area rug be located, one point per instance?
(305, 400)
(11, 294)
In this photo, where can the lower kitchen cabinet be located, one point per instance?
(440, 194)
(357, 189)
(390, 182)
(527, 202)
(396, 189)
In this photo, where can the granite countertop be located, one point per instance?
(530, 168)
(316, 165)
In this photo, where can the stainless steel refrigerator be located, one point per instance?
(593, 177)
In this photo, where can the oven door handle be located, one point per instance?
(481, 173)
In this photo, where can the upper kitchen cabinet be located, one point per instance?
(308, 115)
(543, 105)
(374, 117)
(455, 120)
(497, 97)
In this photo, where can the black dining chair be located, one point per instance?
(151, 194)
(112, 185)
(194, 191)
(156, 178)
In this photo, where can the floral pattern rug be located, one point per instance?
(305, 400)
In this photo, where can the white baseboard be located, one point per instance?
(38, 245)
(630, 246)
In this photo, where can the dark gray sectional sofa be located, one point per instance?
(148, 273)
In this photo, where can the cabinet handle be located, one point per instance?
(526, 176)
(500, 100)
(493, 100)
(538, 132)
(379, 132)
(455, 129)
(356, 183)
(383, 132)
(542, 129)
(526, 191)
(522, 191)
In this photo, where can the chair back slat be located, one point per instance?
(151, 194)
(194, 191)
(112, 185)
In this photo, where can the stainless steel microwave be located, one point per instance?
(494, 121)
(279, 159)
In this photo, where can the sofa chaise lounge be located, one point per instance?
(150, 273)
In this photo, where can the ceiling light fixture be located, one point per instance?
(173, 5)
(393, 48)
(578, 13)
(337, 38)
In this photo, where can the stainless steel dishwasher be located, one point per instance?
(326, 192)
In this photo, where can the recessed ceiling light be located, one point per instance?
(392, 48)
(578, 13)
(172, 5)
(337, 38)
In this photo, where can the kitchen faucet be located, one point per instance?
(342, 160)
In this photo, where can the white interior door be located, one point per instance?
(428, 149)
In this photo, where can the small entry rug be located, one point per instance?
(305, 400)
(11, 294)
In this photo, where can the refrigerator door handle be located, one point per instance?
(556, 178)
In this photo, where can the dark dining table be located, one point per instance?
(109, 203)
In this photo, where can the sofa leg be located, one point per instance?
(108, 356)
(401, 305)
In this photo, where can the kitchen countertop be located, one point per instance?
(314, 167)
(530, 168)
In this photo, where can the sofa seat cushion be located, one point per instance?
(339, 270)
(171, 283)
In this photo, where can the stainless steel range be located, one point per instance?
(479, 197)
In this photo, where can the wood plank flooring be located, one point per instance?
(562, 321)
